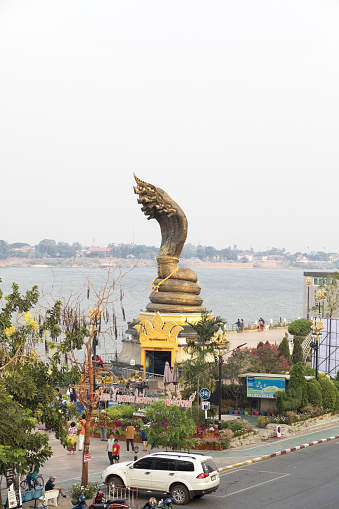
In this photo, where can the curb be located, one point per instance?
(275, 454)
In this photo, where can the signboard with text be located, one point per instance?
(264, 387)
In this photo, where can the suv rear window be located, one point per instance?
(185, 466)
(209, 466)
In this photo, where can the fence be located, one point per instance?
(115, 491)
(253, 325)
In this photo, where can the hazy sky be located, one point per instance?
(230, 106)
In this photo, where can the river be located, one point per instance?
(230, 293)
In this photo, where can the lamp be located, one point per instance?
(221, 342)
(308, 281)
(317, 327)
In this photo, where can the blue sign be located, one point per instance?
(205, 394)
(258, 387)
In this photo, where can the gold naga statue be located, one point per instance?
(175, 289)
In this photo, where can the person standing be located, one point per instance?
(109, 448)
(116, 451)
(130, 435)
(238, 324)
(72, 395)
(144, 439)
(242, 325)
(82, 424)
(103, 426)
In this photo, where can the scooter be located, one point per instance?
(165, 504)
(81, 503)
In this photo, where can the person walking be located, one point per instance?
(130, 435)
(109, 448)
(82, 424)
(103, 426)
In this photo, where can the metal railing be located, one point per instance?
(282, 322)
(128, 373)
(113, 491)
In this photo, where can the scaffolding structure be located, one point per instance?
(328, 348)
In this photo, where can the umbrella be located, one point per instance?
(175, 373)
(167, 374)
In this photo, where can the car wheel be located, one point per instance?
(180, 494)
(114, 479)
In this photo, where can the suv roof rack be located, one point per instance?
(179, 453)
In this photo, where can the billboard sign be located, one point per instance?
(264, 387)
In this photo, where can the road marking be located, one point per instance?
(256, 485)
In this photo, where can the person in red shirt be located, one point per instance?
(116, 451)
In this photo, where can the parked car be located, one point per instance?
(182, 475)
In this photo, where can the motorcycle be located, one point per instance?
(112, 503)
(162, 504)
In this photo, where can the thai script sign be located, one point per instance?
(148, 400)
(258, 387)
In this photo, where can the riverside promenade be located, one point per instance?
(253, 337)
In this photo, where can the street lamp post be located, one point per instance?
(308, 281)
(221, 342)
(317, 327)
(320, 295)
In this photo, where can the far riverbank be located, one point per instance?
(82, 262)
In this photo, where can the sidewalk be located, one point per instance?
(67, 468)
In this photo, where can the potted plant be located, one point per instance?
(88, 491)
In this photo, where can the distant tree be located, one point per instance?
(17, 245)
(4, 250)
(201, 252)
(46, 247)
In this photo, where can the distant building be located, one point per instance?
(246, 254)
(312, 282)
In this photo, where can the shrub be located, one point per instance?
(297, 354)
(300, 327)
(314, 393)
(262, 421)
(297, 379)
(284, 349)
(120, 412)
(329, 392)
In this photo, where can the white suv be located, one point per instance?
(182, 475)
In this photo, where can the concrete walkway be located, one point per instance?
(252, 337)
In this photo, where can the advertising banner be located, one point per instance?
(258, 387)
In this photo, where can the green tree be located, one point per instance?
(297, 354)
(169, 427)
(300, 327)
(19, 442)
(284, 349)
(200, 350)
(331, 288)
